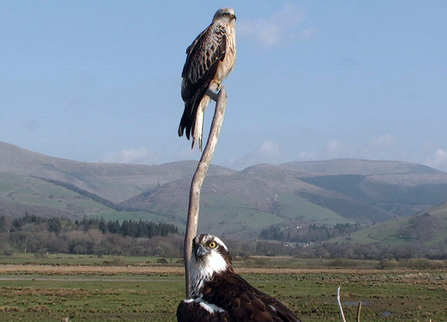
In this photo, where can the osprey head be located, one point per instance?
(209, 256)
(225, 14)
(210, 249)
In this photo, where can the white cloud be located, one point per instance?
(376, 148)
(332, 150)
(188, 153)
(383, 142)
(268, 149)
(268, 152)
(379, 147)
(383, 147)
(306, 156)
(333, 146)
(279, 27)
(134, 156)
(428, 145)
(307, 34)
(438, 160)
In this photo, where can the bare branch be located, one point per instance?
(359, 309)
(199, 177)
(339, 304)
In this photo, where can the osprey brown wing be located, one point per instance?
(243, 302)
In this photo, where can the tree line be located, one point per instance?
(130, 228)
(35, 234)
(307, 233)
(375, 251)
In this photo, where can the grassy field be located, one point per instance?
(82, 289)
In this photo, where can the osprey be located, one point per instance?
(210, 58)
(218, 294)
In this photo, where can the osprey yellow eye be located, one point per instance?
(212, 244)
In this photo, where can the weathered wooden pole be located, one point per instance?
(199, 176)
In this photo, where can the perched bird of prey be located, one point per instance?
(210, 58)
(218, 294)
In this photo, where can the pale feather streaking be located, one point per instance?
(210, 58)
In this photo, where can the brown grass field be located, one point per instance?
(146, 292)
(168, 270)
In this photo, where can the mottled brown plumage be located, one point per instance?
(210, 58)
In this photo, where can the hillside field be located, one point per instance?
(427, 227)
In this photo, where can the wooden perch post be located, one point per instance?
(199, 176)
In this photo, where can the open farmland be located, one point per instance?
(147, 292)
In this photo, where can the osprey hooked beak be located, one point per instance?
(201, 251)
(198, 249)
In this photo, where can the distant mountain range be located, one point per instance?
(234, 203)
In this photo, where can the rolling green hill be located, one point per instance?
(115, 182)
(21, 194)
(428, 227)
(237, 203)
(401, 200)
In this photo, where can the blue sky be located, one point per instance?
(99, 81)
